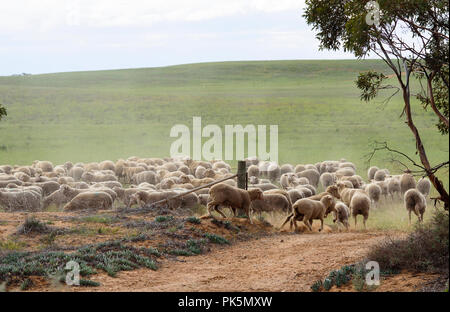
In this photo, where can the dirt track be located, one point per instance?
(284, 262)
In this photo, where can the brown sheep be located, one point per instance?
(424, 186)
(333, 191)
(415, 201)
(90, 200)
(282, 193)
(312, 175)
(374, 191)
(235, 198)
(307, 210)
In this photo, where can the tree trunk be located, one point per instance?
(421, 150)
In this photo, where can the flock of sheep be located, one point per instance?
(288, 189)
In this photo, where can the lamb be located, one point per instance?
(374, 192)
(327, 179)
(307, 210)
(346, 194)
(286, 180)
(371, 172)
(90, 200)
(235, 198)
(407, 182)
(341, 214)
(360, 204)
(415, 201)
(312, 175)
(295, 195)
(424, 186)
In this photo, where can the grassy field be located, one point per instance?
(92, 116)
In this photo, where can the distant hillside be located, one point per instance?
(96, 115)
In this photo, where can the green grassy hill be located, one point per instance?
(92, 116)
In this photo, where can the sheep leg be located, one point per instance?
(321, 225)
(364, 220)
(286, 221)
(355, 220)
(217, 208)
(409, 212)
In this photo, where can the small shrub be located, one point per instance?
(316, 286)
(193, 220)
(26, 284)
(163, 218)
(216, 239)
(89, 283)
(33, 225)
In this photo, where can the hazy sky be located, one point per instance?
(40, 36)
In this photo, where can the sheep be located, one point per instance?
(374, 192)
(90, 200)
(327, 179)
(360, 204)
(307, 210)
(346, 194)
(184, 169)
(302, 181)
(345, 172)
(253, 160)
(333, 191)
(144, 176)
(274, 172)
(371, 172)
(299, 168)
(19, 199)
(384, 188)
(312, 175)
(264, 187)
(189, 201)
(407, 182)
(286, 168)
(424, 186)
(253, 171)
(353, 179)
(142, 197)
(311, 188)
(341, 214)
(393, 187)
(295, 195)
(253, 180)
(271, 203)
(45, 166)
(199, 172)
(283, 193)
(235, 198)
(304, 190)
(48, 187)
(380, 175)
(347, 164)
(415, 201)
(286, 180)
(195, 182)
(76, 173)
(107, 165)
(97, 177)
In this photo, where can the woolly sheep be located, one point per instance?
(374, 192)
(371, 172)
(20, 200)
(90, 200)
(312, 175)
(235, 198)
(424, 186)
(271, 203)
(407, 182)
(341, 214)
(299, 168)
(380, 175)
(286, 168)
(416, 202)
(393, 187)
(307, 210)
(273, 172)
(360, 204)
(327, 179)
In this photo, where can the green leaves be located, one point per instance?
(2, 112)
(370, 83)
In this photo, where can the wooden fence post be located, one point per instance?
(242, 175)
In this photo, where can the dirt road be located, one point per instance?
(283, 262)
